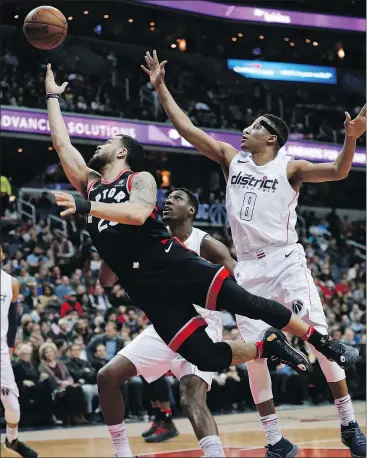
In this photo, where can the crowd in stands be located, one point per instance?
(117, 87)
(70, 326)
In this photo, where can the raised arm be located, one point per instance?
(72, 161)
(299, 171)
(217, 253)
(220, 152)
(135, 212)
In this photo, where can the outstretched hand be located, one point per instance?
(357, 126)
(155, 69)
(63, 199)
(51, 86)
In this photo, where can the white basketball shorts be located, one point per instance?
(7, 379)
(153, 358)
(282, 275)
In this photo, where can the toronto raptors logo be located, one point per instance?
(297, 306)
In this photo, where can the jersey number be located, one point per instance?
(103, 224)
(248, 206)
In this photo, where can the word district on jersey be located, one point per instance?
(250, 182)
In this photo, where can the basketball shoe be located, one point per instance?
(20, 448)
(276, 347)
(354, 439)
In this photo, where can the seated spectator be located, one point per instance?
(348, 337)
(132, 320)
(99, 299)
(48, 297)
(63, 289)
(70, 305)
(109, 339)
(65, 251)
(100, 357)
(35, 391)
(83, 373)
(69, 397)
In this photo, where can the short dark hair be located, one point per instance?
(135, 152)
(192, 199)
(279, 125)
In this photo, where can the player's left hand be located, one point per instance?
(357, 126)
(63, 199)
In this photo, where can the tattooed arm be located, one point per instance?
(135, 212)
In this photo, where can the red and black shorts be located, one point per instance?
(167, 285)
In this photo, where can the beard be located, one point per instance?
(98, 162)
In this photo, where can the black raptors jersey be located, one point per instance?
(125, 249)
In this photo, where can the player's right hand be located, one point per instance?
(50, 85)
(155, 69)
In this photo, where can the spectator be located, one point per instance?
(100, 357)
(349, 337)
(48, 297)
(63, 289)
(109, 339)
(70, 305)
(35, 391)
(83, 373)
(65, 251)
(99, 299)
(132, 321)
(69, 396)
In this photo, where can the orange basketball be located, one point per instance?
(45, 27)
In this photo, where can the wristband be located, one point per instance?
(52, 95)
(82, 206)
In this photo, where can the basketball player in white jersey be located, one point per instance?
(262, 194)
(151, 358)
(9, 391)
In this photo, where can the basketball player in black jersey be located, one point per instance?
(162, 277)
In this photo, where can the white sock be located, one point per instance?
(11, 433)
(272, 429)
(212, 446)
(120, 440)
(345, 410)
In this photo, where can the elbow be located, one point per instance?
(341, 174)
(139, 220)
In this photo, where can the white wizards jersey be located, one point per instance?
(193, 243)
(6, 296)
(261, 204)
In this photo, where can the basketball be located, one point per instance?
(45, 27)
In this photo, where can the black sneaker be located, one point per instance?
(20, 448)
(151, 430)
(276, 347)
(282, 449)
(164, 432)
(334, 350)
(354, 439)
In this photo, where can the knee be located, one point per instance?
(105, 377)
(215, 358)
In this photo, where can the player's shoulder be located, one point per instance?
(228, 151)
(295, 165)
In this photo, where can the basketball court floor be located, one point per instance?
(314, 429)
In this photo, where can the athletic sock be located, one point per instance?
(166, 415)
(212, 446)
(120, 440)
(11, 433)
(345, 410)
(272, 429)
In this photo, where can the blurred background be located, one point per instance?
(221, 71)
